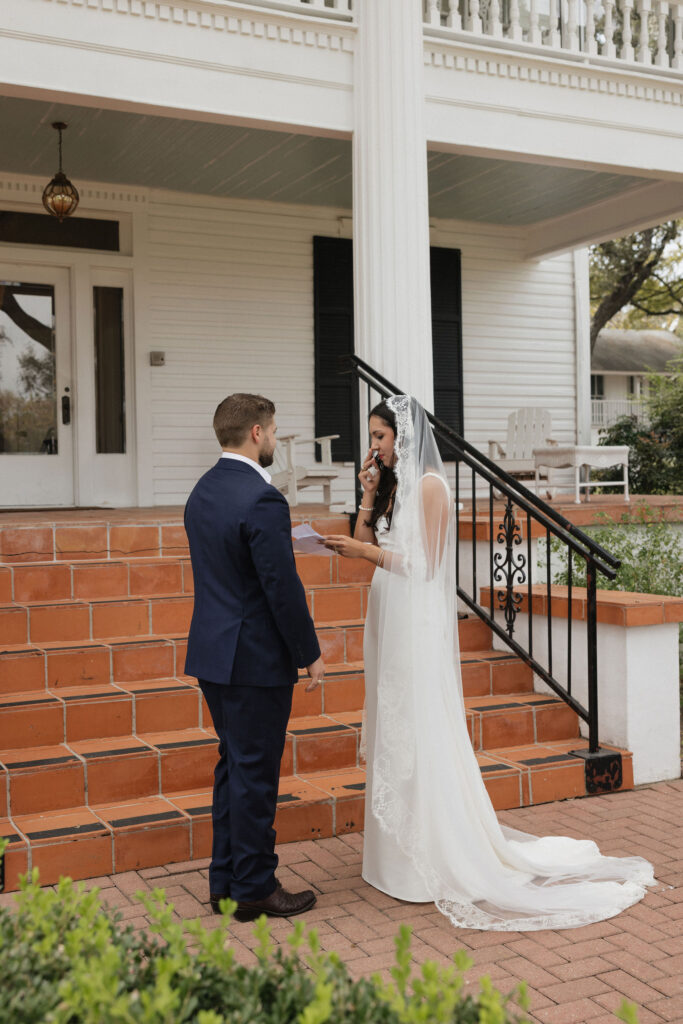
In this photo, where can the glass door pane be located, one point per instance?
(110, 383)
(28, 406)
(36, 446)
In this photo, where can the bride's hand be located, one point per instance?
(369, 481)
(347, 547)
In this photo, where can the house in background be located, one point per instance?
(620, 364)
(227, 153)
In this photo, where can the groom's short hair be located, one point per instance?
(237, 414)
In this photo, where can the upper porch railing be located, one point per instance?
(340, 9)
(645, 33)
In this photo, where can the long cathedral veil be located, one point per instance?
(427, 790)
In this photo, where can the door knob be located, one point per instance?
(66, 409)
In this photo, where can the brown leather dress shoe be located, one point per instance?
(279, 904)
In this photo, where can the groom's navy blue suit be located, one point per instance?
(250, 630)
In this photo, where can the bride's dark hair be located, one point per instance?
(387, 478)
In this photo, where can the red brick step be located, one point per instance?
(107, 749)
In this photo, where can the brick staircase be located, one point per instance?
(107, 749)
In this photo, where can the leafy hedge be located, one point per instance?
(66, 959)
(648, 545)
(655, 464)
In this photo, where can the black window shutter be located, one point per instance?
(335, 403)
(333, 316)
(447, 338)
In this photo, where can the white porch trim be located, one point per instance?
(640, 208)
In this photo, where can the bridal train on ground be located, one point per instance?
(431, 833)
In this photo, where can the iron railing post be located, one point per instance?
(592, 641)
(357, 441)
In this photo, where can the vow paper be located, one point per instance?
(308, 542)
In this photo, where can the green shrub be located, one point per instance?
(656, 449)
(649, 547)
(652, 469)
(68, 959)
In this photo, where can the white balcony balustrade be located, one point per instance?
(606, 411)
(636, 32)
(341, 9)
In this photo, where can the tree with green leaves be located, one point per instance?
(638, 279)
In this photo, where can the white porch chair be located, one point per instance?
(290, 477)
(528, 428)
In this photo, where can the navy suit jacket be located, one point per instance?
(250, 624)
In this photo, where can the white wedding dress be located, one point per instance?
(431, 833)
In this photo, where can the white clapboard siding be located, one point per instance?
(229, 299)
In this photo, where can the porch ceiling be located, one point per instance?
(242, 162)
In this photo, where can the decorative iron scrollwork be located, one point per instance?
(509, 567)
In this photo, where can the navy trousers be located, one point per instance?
(251, 724)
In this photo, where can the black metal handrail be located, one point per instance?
(488, 468)
(510, 575)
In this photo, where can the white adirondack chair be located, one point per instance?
(528, 428)
(290, 477)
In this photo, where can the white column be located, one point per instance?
(390, 201)
(582, 330)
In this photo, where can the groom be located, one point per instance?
(250, 630)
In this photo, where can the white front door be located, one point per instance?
(36, 401)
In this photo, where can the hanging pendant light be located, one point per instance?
(60, 197)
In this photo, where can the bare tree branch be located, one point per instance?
(24, 321)
(623, 267)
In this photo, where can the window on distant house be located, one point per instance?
(597, 385)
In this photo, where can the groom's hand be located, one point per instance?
(316, 671)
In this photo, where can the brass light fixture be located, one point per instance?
(60, 197)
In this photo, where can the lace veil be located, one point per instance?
(427, 789)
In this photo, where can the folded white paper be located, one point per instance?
(308, 542)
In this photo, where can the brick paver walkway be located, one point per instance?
(574, 976)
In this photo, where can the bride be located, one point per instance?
(431, 833)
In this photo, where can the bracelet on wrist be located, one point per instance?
(366, 508)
